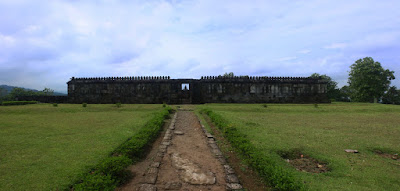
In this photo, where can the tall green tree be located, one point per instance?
(368, 80)
(332, 90)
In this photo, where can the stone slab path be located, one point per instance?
(185, 158)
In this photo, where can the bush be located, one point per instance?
(315, 105)
(118, 104)
(96, 181)
(265, 105)
(55, 105)
(84, 104)
(18, 102)
(265, 164)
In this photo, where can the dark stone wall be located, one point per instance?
(210, 89)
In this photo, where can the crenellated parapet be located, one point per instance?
(126, 78)
(262, 79)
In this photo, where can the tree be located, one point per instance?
(332, 90)
(392, 96)
(48, 92)
(229, 75)
(344, 94)
(368, 81)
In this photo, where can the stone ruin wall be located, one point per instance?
(208, 89)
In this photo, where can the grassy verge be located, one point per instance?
(111, 171)
(265, 164)
(45, 148)
(323, 133)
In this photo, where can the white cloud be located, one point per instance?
(305, 51)
(336, 46)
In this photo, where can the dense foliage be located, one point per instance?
(392, 96)
(368, 80)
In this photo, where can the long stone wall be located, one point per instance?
(208, 89)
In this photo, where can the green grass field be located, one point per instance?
(323, 133)
(44, 147)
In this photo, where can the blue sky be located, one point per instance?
(44, 44)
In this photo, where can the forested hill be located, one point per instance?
(7, 89)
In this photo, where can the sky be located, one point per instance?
(45, 43)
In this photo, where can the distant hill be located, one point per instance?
(10, 88)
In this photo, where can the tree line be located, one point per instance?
(19, 92)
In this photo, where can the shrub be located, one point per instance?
(84, 104)
(315, 105)
(96, 181)
(164, 105)
(55, 104)
(118, 104)
(18, 102)
(265, 105)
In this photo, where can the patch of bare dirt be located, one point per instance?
(302, 162)
(388, 155)
(247, 176)
(308, 165)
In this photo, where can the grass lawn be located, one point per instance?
(324, 133)
(44, 147)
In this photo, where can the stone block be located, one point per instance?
(233, 186)
(147, 187)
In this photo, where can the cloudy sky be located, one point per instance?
(45, 43)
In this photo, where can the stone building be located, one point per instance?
(208, 89)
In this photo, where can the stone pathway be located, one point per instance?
(187, 158)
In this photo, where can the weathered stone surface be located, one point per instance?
(155, 164)
(217, 152)
(151, 178)
(228, 169)
(231, 178)
(173, 185)
(211, 140)
(213, 146)
(160, 154)
(351, 151)
(233, 186)
(167, 143)
(178, 133)
(209, 135)
(190, 172)
(222, 160)
(152, 170)
(147, 187)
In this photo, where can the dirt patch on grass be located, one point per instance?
(387, 155)
(302, 162)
